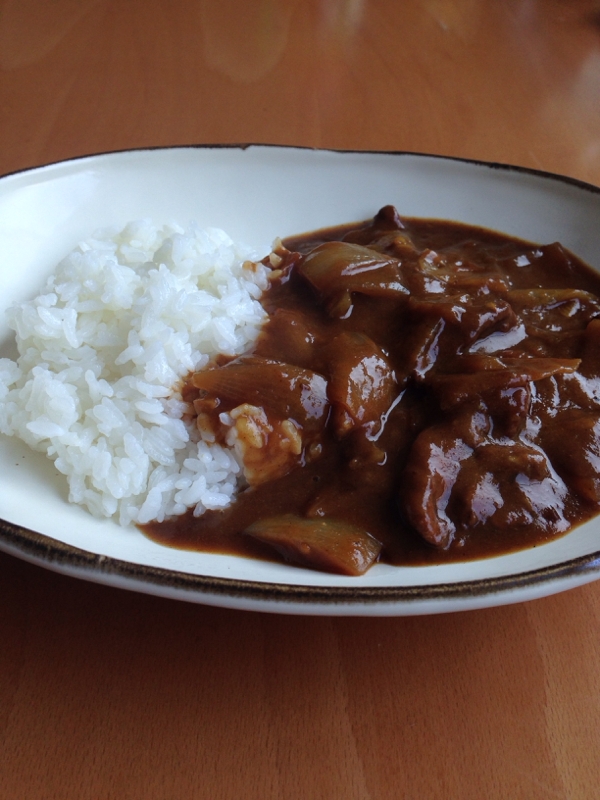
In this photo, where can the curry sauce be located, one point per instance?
(422, 392)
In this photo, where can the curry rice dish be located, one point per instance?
(403, 390)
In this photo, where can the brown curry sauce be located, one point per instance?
(463, 380)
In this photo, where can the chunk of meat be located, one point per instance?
(473, 317)
(327, 545)
(428, 480)
(453, 484)
(505, 485)
(573, 445)
(565, 391)
(435, 323)
(505, 397)
(504, 388)
(431, 472)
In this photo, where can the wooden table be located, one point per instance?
(110, 694)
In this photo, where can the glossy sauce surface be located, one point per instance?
(456, 363)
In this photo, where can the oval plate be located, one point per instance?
(257, 193)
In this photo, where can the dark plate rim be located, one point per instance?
(44, 550)
(495, 165)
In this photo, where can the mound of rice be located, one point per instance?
(125, 316)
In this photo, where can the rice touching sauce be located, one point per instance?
(103, 350)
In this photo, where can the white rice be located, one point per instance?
(125, 316)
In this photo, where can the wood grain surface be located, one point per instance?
(110, 694)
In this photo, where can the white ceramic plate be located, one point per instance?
(258, 193)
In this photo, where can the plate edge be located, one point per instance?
(46, 550)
